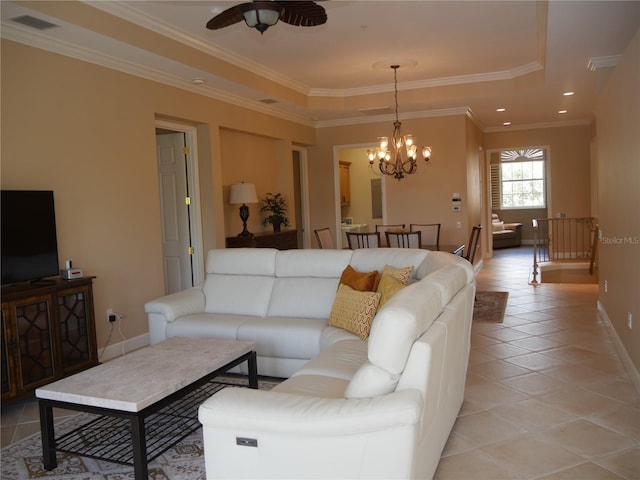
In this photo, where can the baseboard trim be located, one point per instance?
(633, 372)
(122, 348)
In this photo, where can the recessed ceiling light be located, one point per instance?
(198, 81)
(562, 111)
(507, 124)
(501, 109)
(567, 94)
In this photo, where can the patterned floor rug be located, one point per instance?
(490, 306)
(184, 461)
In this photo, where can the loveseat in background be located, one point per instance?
(505, 234)
(382, 407)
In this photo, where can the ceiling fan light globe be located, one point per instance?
(262, 15)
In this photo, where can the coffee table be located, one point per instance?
(145, 402)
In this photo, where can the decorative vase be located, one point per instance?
(276, 226)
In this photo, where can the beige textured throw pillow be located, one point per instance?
(388, 287)
(354, 311)
(401, 274)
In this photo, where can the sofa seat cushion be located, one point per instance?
(214, 325)
(504, 232)
(371, 381)
(314, 386)
(340, 360)
(331, 335)
(284, 337)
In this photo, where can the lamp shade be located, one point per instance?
(243, 193)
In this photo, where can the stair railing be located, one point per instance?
(564, 239)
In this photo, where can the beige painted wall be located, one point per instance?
(618, 159)
(88, 133)
(569, 163)
(424, 197)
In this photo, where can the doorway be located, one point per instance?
(301, 196)
(365, 206)
(179, 206)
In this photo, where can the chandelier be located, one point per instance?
(401, 158)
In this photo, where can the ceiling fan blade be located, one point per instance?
(303, 13)
(228, 17)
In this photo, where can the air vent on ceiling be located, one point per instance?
(376, 111)
(269, 101)
(34, 22)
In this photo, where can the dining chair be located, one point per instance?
(404, 239)
(470, 252)
(430, 233)
(363, 240)
(381, 229)
(323, 235)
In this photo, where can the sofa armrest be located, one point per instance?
(250, 410)
(512, 226)
(178, 304)
(261, 434)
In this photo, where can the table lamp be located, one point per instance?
(243, 193)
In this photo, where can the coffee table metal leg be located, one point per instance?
(138, 437)
(253, 371)
(48, 436)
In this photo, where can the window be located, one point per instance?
(518, 178)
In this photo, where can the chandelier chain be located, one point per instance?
(401, 162)
(395, 86)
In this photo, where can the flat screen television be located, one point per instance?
(28, 243)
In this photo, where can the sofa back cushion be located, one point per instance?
(235, 274)
(306, 282)
(403, 319)
(437, 260)
(366, 259)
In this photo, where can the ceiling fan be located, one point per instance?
(264, 14)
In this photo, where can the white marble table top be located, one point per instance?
(143, 377)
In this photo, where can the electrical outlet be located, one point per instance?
(111, 316)
(458, 225)
(629, 320)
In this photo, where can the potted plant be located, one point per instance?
(276, 207)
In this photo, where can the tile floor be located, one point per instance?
(546, 396)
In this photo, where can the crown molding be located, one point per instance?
(537, 126)
(391, 117)
(44, 42)
(430, 83)
(132, 15)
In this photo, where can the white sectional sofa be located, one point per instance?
(382, 407)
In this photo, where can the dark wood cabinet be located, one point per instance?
(284, 240)
(48, 332)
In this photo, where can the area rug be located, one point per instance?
(184, 461)
(490, 306)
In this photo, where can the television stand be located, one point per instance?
(43, 281)
(48, 332)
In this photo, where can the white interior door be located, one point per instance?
(176, 241)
